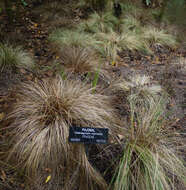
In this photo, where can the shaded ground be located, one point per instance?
(30, 30)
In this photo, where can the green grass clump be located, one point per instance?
(103, 22)
(159, 37)
(12, 58)
(133, 42)
(71, 38)
(130, 23)
(150, 150)
(110, 45)
(88, 26)
(150, 159)
(99, 23)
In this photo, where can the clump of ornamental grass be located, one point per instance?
(110, 45)
(157, 37)
(13, 58)
(140, 90)
(42, 115)
(81, 61)
(150, 153)
(130, 23)
(133, 42)
(71, 38)
(87, 26)
(115, 42)
(137, 11)
(100, 23)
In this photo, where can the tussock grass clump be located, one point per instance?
(130, 23)
(81, 61)
(140, 90)
(137, 88)
(112, 42)
(71, 38)
(150, 159)
(159, 37)
(110, 45)
(150, 149)
(133, 42)
(99, 23)
(104, 22)
(42, 117)
(87, 26)
(12, 58)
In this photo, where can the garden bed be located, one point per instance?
(33, 30)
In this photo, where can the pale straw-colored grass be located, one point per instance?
(42, 115)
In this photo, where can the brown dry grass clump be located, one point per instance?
(81, 61)
(42, 115)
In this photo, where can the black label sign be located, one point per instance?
(88, 135)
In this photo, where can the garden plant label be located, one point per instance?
(88, 135)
